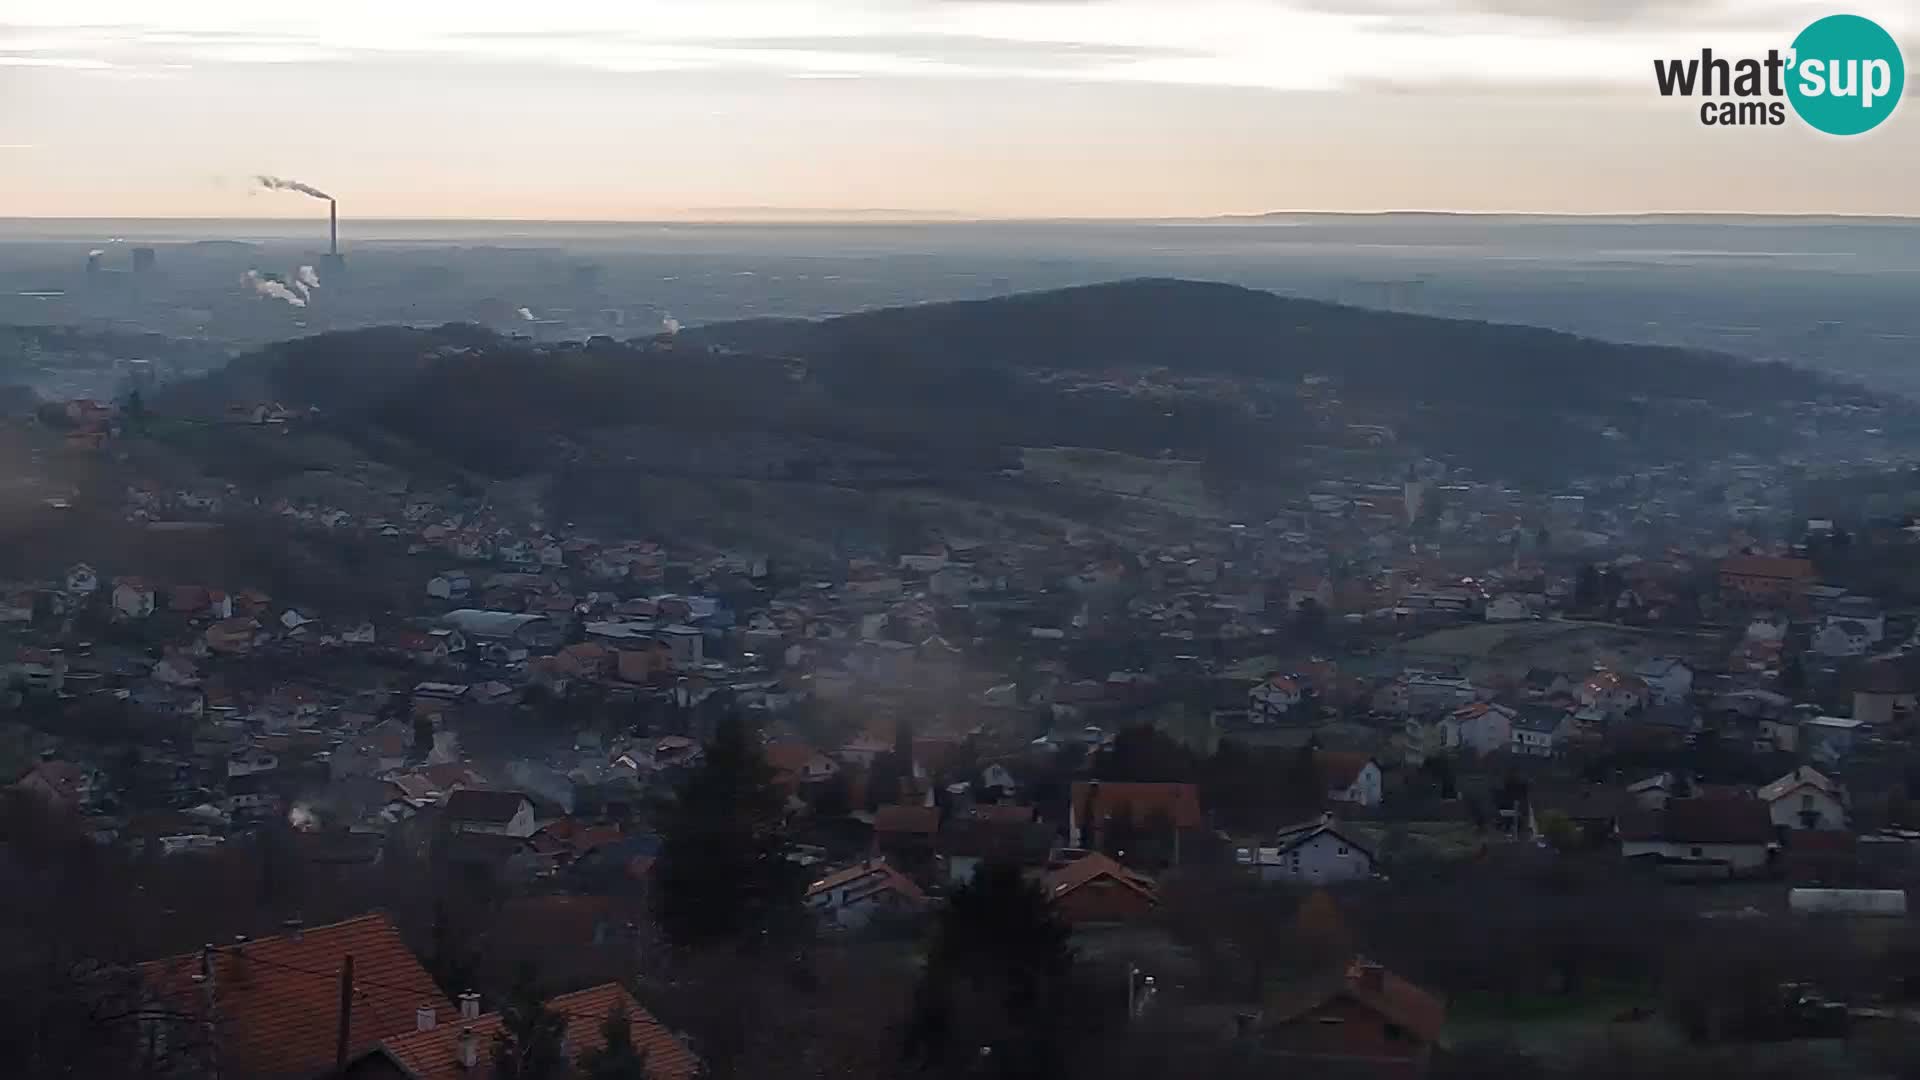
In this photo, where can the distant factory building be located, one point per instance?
(143, 259)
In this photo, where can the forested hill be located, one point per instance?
(1207, 328)
(1157, 368)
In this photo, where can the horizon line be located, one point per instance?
(935, 217)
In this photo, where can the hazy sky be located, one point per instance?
(722, 108)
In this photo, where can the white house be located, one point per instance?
(449, 586)
(1613, 693)
(1351, 778)
(1484, 727)
(686, 647)
(851, 898)
(16, 607)
(82, 580)
(1668, 679)
(500, 813)
(1805, 799)
(133, 599)
(1843, 637)
(1313, 852)
(1427, 691)
(1539, 729)
(1272, 699)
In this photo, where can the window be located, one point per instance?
(1343, 850)
(1330, 1019)
(1697, 853)
(1806, 802)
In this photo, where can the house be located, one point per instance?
(1764, 579)
(132, 598)
(459, 1045)
(231, 636)
(1884, 691)
(1365, 1019)
(1272, 699)
(796, 764)
(1095, 889)
(1830, 738)
(906, 830)
(1717, 837)
(82, 580)
(1668, 680)
(1350, 777)
(452, 585)
(686, 647)
(252, 795)
(60, 784)
(1843, 637)
(1313, 852)
(1094, 803)
(496, 813)
(1540, 730)
(1805, 799)
(1545, 683)
(1593, 809)
(1482, 727)
(1614, 694)
(39, 671)
(850, 898)
(274, 1003)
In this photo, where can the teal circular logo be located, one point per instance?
(1846, 75)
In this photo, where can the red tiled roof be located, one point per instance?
(1769, 566)
(898, 818)
(1341, 768)
(884, 877)
(789, 756)
(435, 1054)
(1180, 801)
(277, 999)
(1094, 866)
(1393, 997)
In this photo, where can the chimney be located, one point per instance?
(1369, 976)
(423, 1018)
(333, 229)
(295, 928)
(469, 1006)
(469, 1049)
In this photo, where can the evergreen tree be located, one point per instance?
(422, 736)
(723, 874)
(452, 965)
(995, 987)
(529, 1044)
(1586, 587)
(618, 1059)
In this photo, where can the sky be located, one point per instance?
(720, 109)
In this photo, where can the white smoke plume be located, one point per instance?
(302, 819)
(266, 286)
(670, 324)
(305, 281)
(95, 253)
(525, 314)
(275, 183)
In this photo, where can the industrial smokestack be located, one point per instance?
(333, 229)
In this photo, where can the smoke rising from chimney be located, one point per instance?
(266, 286)
(275, 183)
(525, 314)
(670, 324)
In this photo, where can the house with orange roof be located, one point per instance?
(852, 897)
(1094, 803)
(1364, 1018)
(1350, 776)
(231, 636)
(795, 764)
(1761, 580)
(272, 1007)
(460, 1046)
(1095, 889)
(1273, 698)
